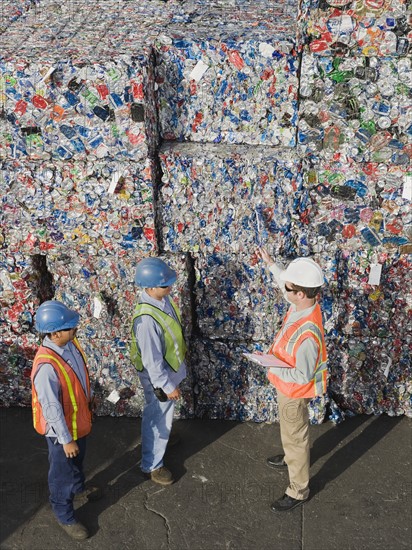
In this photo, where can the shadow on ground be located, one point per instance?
(345, 454)
(112, 463)
(360, 488)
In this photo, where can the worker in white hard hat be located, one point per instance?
(301, 344)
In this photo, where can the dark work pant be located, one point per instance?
(66, 479)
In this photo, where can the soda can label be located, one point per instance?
(370, 236)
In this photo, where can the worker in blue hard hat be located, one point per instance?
(158, 352)
(62, 402)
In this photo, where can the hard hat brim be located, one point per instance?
(169, 282)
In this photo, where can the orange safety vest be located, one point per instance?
(74, 400)
(285, 347)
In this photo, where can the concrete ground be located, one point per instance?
(360, 488)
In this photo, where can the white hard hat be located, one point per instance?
(303, 272)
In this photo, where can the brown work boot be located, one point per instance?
(162, 476)
(76, 531)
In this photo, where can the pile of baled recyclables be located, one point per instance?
(197, 131)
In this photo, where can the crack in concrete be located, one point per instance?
(168, 528)
(109, 461)
(238, 450)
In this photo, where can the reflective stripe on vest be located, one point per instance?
(285, 347)
(69, 388)
(313, 331)
(174, 342)
(306, 327)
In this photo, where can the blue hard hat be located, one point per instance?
(153, 273)
(53, 316)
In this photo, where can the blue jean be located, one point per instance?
(157, 422)
(66, 479)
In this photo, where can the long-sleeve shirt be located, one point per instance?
(151, 344)
(307, 354)
(48, 389)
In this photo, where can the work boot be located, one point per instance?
(76, 531)
(162, 476)
(91, 493)
(286, 503)
(277, 462)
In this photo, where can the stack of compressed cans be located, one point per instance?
(229, 75)
(355, 139)
(78, 132)
(12, 10)
(198, 131)
(65, 97)
(229, 93)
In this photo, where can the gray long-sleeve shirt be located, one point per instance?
(307, 354)
(48, 389)
(151, 344)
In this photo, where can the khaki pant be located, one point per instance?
(294, 433)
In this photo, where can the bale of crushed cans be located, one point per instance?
(220, 203)
(66, 109)
(226, 90)
(74, 87)
(360, 205)
(69, 205)
(298, 134)
(357, 108)
(227, 73)
(231, 198)
(366, 28)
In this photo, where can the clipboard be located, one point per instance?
(267, 360)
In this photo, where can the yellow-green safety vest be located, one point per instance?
(175, 344)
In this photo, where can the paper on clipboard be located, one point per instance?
(266, 360)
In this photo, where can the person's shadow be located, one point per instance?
(115, 442)
(344, 457)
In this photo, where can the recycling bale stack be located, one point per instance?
(271, 127)
(78, 137)
(355, 141)
(227, 82)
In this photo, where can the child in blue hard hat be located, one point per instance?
(158, 352)
(61, 402)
